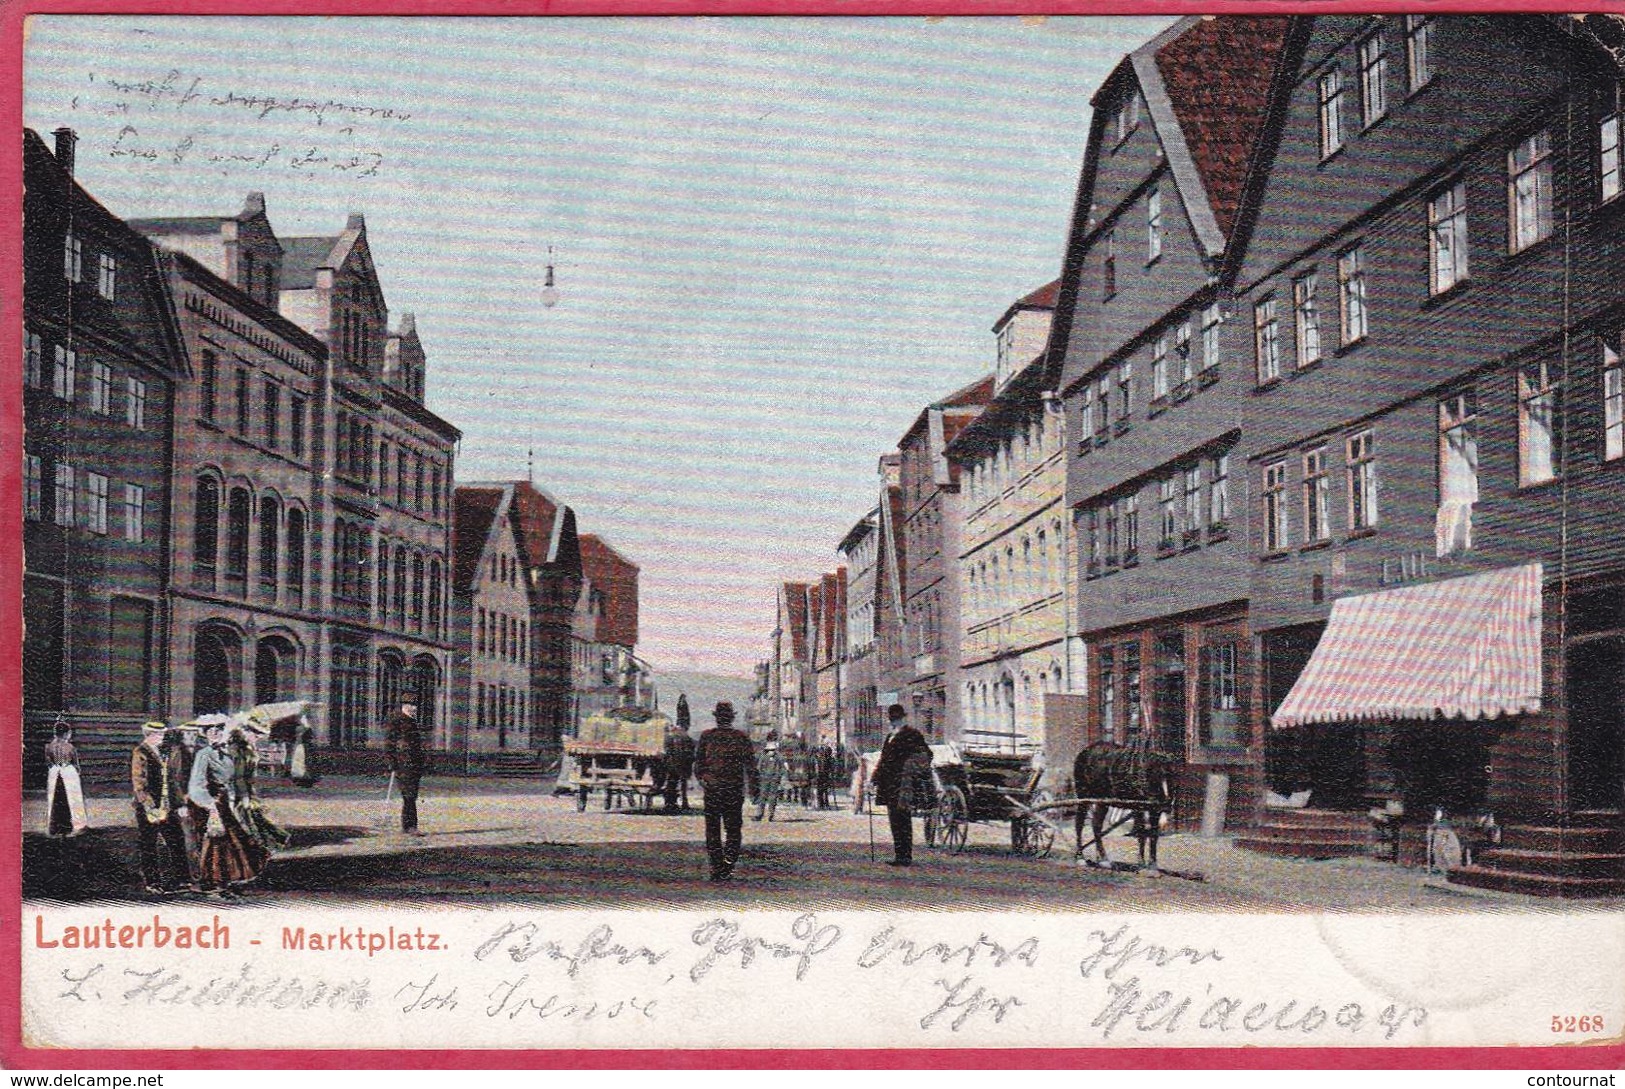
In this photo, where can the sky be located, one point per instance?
(776, 240)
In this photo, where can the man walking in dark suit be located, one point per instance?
(726, 766)
(403, 744)
(902, 759)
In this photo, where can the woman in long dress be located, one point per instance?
(250, 814)
(230, 855)
(65, 814)
(302, 766)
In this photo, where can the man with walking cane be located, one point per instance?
(403, 744)
(902, 759)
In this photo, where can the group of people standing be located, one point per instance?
(793, 772)
(199, 822)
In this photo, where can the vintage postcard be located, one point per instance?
(544, 539)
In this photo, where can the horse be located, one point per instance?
(1124, 773)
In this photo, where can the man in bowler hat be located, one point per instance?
(902, 759)
(726, 767)
(403, 744)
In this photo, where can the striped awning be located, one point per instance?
(1459, 648)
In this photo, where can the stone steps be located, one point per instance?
(1309, 833)
(1568, 861)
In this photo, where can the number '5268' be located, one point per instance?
(1576, 1024)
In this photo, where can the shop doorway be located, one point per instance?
(1596, 723)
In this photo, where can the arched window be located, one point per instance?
(417, 591)
(270, 527)
(295, 551)
(216, 663)
(399, 582)
(435, 598)
(383, 581)
(206, 530)
(238, 511)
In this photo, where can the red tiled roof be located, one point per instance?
(979, 392)
(794, 595)
(1218, 77)
(616, 577)
(546, 529)
(472, 510)
(1042, 298)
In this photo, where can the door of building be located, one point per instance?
(1596, 716)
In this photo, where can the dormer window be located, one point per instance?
(1006, 336)
(1127, 117)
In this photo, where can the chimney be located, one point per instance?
(254, 205)
(66, 138)
(355, 222)
(409, 325)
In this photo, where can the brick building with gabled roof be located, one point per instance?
(492, 626)
(606, 669)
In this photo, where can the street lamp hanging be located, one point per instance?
(550, 293)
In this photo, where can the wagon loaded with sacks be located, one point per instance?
(622, 754)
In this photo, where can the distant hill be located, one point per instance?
(704, 691)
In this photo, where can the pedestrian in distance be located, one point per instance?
(403, 744)
(903, 759)
(65, 810)
(152, 800)
(770, 776)
(726, 766)
(679, 759)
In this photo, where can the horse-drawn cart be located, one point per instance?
(971, 785)
(622, 754)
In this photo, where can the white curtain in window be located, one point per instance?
(1458, 491)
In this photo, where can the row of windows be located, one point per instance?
(401, 589)
(1119, 688)
(108, 394)
(1193, 505)
(1177, 367)
(1033, 441)
(413, 481)
(1372, 60)
(81, 499)
(1540, 454)
(272, 394)
(505, 570)
(283, 539)
(75, 267)
(498, 635)
(501, 707)
(993, 709)
(998, 582)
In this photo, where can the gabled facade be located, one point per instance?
(1433, 273)
(828, 644)
(861, 718)
(490, 622)
(1154, 385)
(547, 535)
(246, 593)
(102, 358)
(791, 662)
(606, 671)
(1014, 561)
(384, 498)
(894, 665)
(929, 487)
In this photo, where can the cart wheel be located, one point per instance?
(581, 799)
(953, 819)
(1037, 830)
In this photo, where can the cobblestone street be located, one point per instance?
(516, 840)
